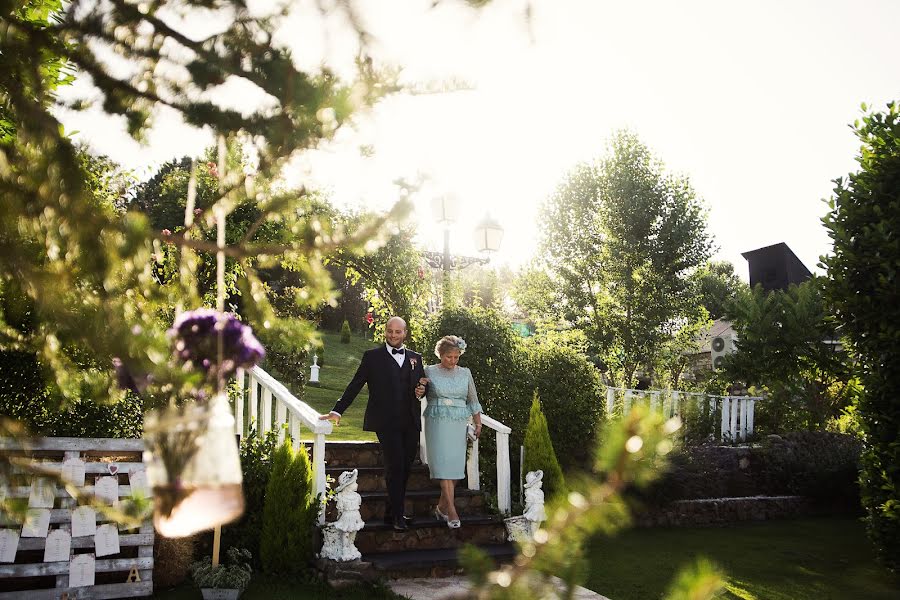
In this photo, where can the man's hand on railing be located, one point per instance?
(332, 416)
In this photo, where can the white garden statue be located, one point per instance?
(339, 537)
(523, 528)
(534, 500)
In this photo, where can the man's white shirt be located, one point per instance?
(398, 358)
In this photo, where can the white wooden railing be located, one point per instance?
(735, 412)
(264, 392)
(473, 479)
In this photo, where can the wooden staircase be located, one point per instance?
(429, 548)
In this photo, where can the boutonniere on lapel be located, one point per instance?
(413, 362)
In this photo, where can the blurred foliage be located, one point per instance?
(633, 453)
(862, 289)
(89, 274)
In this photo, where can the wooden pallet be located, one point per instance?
(32, 579)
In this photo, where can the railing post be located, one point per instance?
(626, 406)
(750, 408)
(266, 410)
(726, 416)
(295, 432)
(610, 401)
(319, 473)
(239, 404)
(281, 418)
(676, 399)
(654, 402)
(734, 415)
(742, 434)
(472, 468)
(254, 403)
(504, 499)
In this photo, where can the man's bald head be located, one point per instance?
(395, 332)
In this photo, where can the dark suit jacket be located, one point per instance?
(392, 397)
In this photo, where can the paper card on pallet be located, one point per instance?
(43, 493)
(9, 543)
(84, 521)
(137, 478)
(58, 546)
(107, 489)
(81, 570)
(106, 540)
(37, 523)
(73, 471)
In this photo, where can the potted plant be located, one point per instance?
(226, 581)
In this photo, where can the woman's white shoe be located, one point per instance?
(454, 524)
(440, 516)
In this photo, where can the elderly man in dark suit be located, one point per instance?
(395, 376)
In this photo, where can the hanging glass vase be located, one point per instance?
(193, 467)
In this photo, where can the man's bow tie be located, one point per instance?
(397, 350)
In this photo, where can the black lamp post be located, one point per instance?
(488, 235)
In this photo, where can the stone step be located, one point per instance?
(431, 563)
(371, 479)
(430, 534)
(419, 503)
(350, 455)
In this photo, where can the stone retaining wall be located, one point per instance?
(714, 511)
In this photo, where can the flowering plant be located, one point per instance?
(196, 334)
(461, 344)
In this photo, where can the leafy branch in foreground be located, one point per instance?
(633, 453)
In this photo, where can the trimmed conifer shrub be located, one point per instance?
(289, 513)
(539, 452)
(345, 332)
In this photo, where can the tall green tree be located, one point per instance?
(864, 288)
(394, 279)
(786, 343)
(539, 453)
(718, 283)
(622, 239)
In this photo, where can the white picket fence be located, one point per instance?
(733, 414)
(263, 393)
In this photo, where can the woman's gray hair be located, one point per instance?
(449, 342)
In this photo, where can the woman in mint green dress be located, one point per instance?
(452, 400)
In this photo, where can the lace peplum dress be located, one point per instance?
(452, 399)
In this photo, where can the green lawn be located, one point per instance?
(341, 361)
(777, 560)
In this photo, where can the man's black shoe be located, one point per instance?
(409, 520)
(400, 524)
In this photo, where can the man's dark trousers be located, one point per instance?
(398, 449)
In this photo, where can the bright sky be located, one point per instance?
(751, 100)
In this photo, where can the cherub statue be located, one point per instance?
(340, 536)
(534, 499)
